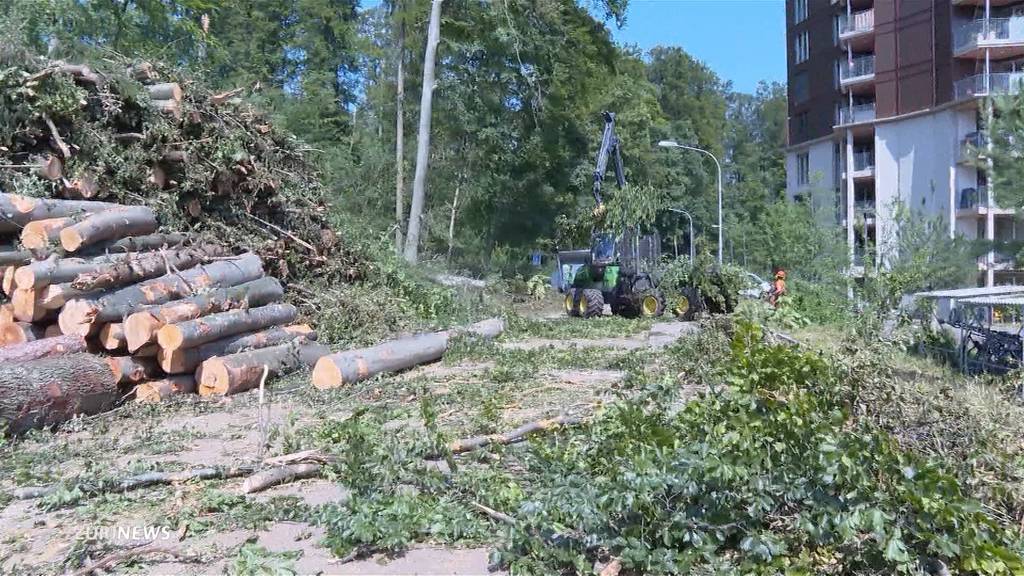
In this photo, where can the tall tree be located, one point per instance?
(412, 240)
(399, 128)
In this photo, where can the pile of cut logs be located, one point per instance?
(102, 305)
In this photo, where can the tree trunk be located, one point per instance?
(55, 296)
(46, 392)
(451, 221)
(109, 225)
(192, 333)
(20, 333)
(143, 267)
(412, 239)
(16, 211)
(147, 242)
(240, 372)
(280, 475)
(188, 359)
(353, 366)
(55, 270)
(45, 348)
(40, 234)
(15, 257)
(160, 390)
(141, 327)
(84, 316)
(400, 133)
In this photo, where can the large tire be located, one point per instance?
(652, 304)
(591, 303)
(571, 302)
(686, 304)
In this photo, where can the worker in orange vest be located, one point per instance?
(778, 288)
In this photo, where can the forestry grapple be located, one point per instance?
(618, 269)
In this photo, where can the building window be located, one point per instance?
(801, 48)
(803, 169)
(799, 11)
(801, 87)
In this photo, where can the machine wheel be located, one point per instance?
(686, 305)
(571, 302)
(591, 303)
(652, 304)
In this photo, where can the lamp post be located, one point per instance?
(690, 219)
(718, 165)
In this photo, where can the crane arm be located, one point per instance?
(609, 148)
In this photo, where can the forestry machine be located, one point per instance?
(618, 269)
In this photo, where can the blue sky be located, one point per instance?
(743, 41)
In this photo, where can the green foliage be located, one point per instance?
(719, 286)
(772, 474)
(253, 560)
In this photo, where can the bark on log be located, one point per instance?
(137, 268)
(188, 359)
(80, 72)
(352, 366)
(167, 91)
(44, 348)
(147, 242)
(112, 336)
(55, 296)
(193, 333)
(55, 270)
(141, 327)
(40, 234)
(43, 393)
(160, 390)
(109, 225)
(16, 211)
(240, 372)
(280, 475)
(20, 333)
(15, 257)
(132, 369)
(83, 316)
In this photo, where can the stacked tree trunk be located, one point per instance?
(101, 305)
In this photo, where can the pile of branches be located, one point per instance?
(141, 133)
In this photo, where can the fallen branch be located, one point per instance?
(131, 553)
(141, 481)
(279, 475)
(65, 152)
(517, 435)
(493, 514)
(300, 241)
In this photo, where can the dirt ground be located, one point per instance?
(211, 528)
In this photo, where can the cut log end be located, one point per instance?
(214, 378)
(112, 336)
(160, 390)
(170, 337)
(327, 375)
(140, 329)
(20, 333)
(77, 317)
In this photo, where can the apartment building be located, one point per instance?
(886, 98)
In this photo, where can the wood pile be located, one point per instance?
(100, 305)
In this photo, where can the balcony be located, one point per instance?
(856, 114)
(857, 73)
(863, 165)
(994, 84)
(864, 210)
(858, 29)
(1000, 37)
(972, 148)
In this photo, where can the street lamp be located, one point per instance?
(718, 165)
(690, 219)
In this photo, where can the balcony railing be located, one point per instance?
(857, 114)
(971, 198)
(986, 33)
(857, 23)
(996, 83)
(865, 207)
(973, 147)
(863, 161)
(859, 67)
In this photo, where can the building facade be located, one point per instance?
(886, 100)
